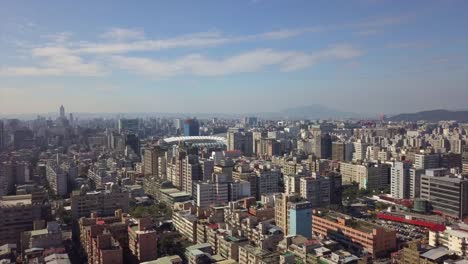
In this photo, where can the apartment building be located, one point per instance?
(355, 234)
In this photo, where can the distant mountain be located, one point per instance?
(432, 116)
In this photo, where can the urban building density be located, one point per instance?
(234, 132)
(159, 190)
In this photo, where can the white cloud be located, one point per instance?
(60, 37)
(252, 61)
(194, 40)
(55, 61)
(289, 33)
(62, 56)
(122, 34)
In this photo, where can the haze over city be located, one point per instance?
(363, 56)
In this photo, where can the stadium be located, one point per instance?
(198, 141)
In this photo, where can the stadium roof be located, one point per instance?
(203, 141)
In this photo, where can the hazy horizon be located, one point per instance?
(362, 56)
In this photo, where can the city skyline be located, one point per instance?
(383, 57)
(248, 131)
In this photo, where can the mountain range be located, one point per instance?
(432, 116)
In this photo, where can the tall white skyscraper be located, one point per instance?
(400, 180)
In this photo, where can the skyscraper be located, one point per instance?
(133, 142)
(293, 214)
(300, 222)
(62, 112)
(250, 121)
(323, 146)
(238, 139)
(191, 127)
(400, 180)
(338, 151)
(151, 161)
(426, 161)
(128, 125)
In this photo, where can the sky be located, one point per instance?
(242, 56)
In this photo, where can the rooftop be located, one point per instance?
(165, 260)
(40, 232)
(350, 222)
(15, 200)
(436, 253)
(173, 192)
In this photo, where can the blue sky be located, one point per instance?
(366, 56)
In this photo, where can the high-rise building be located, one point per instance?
(415, 183)
(191, 172)
(451, 160)
(447, 193)
(323, 146)
(207, 194)
(300, 222)
(104, 202)
(316, 191)
(369, 176)
(56, 178)
(338, 151)
(426, 161)
(359, 150)
(349, 151)
(268, 180)
(207, 168)
(132, 141)
(250, 121)
(62, 112)
(23, 138)
(152, 156)
(400, 180)
(268, 147)
(128, 126)
(143, 240)
(238, 139)
(101, 175)
(179, 126)
(465, 160)
(283, 204)
(244, 173)
(256, 136)
(191, 127)
(13, 173)
(239, 190)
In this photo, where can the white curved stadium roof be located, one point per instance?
(196, 139)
